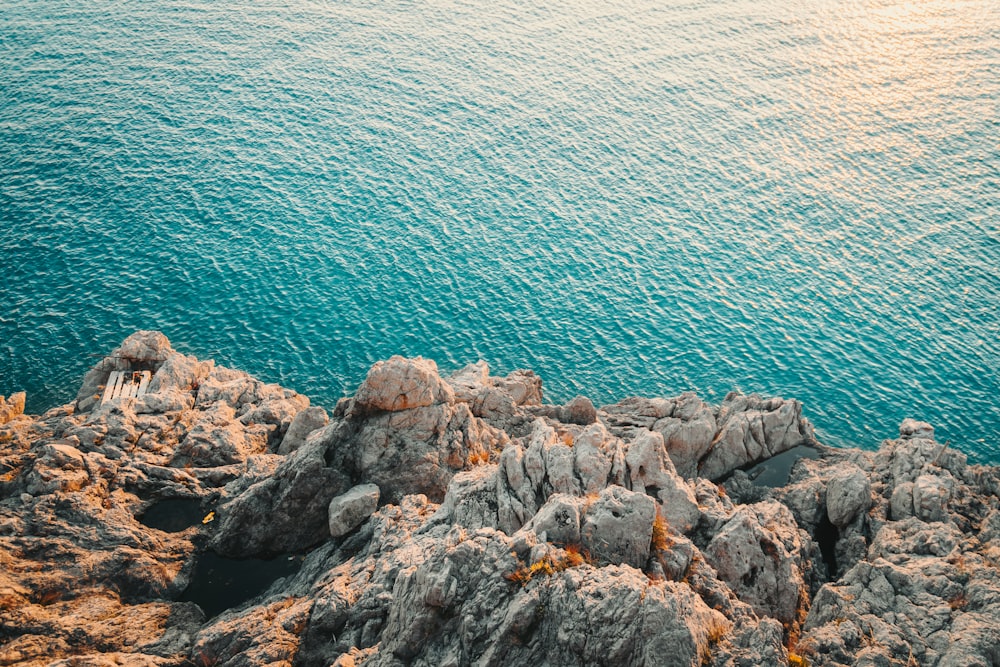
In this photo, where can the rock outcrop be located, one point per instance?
(459, 520)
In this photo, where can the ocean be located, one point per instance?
(791, 198)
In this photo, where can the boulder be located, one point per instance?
(305, 422)
(911, 429)
(59, 467)
(617, 527)
(931, 494)
(579, 411)
(651, 471)
(848, 494)
(351, 509)
(403, 384)
(285, 511)
(558, 520)
(757, 554)
(688, 433)
(523, 386)
(219, 439)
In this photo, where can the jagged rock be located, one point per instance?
(758, 553)
(266, 634)
(305, 422)
(218, 439)
(558, 520)
(848, 494)
(179, 372)
(402, 384)
(523, 386)
(284, 512)
(688, 432)
(901, 503)
(417, 450)
(651, 471)
(752, 429)
(166, 400)
(617, 527)
(349, 510)
(58, 467)
(12, 406)
(470, 381)
(546, 548)
(930, 497)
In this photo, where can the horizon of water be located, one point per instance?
(796, 199)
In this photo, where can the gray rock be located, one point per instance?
(752, 429)
(757, 553)
(901, 502)
(848, 494)
(523, 386)
(579, 411)
(305, 422)
(349, 510)
(287, 511)
(469, 381)
(617, 527)
(931, 494)
(688, 433)
(651, 471)
(219, 439)
(558, 520)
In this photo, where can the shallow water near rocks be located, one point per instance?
(799, 199)
(219, 583)
(775, 471)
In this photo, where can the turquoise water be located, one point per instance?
(795, 198)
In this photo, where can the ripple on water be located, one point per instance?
(643, 199)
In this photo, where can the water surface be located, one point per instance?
(794, 198)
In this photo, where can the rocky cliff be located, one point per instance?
(460, 520)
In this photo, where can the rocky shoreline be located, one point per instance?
(460, 520)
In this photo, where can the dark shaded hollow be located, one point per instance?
(173, 515)
(826, 537)
(218, 583)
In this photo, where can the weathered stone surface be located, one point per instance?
(402, 384)
(349, 510)
(219, 439)
(547, 547)
(651, 471)
(688, 432)
(931, 494)
(911, 429)
(617, 527)
(579, 411)
(848, 494)
(286, 511)
(305, 422)
(758, 554)
(523, 386)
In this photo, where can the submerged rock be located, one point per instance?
(565, 534)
